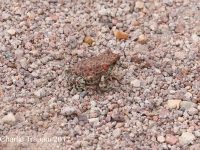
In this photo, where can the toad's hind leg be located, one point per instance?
(103, 86)
(73, 91)
(106, 88)
(112, 76)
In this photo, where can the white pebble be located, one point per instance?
(9, 119)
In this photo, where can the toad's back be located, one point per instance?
(93, 68)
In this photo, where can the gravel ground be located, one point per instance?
(156, 105)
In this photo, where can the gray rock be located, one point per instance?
(98, 148)
(164, 146)
(136, 34)
(1, 127)
(48, 20)
(77, 144)
(104, 29)
(72, 41)
(176, 130)
(117, 132)
(195, 38)
(40, 82)
(136, 83)
(119, 25)
(20, 100)
(40, 93)
(34, 74)
(198, 107)
(187, 105)
(92, 120)
(154, 26)
(123, 5)
(192, 111)
(6, 16)
(168, 70)
(138, 123)
(60, 30)
(84, 143)
(168, 80)
(20, 83)
(191, 55)
(61, 133)
(165, 31)
(9, 119)
(188, 96)
(83, 94)
(197, 133)
(60, 99)
(131, 135)
(195, 147)
(187, 138)
(68, 110)
(31, 100)
(196, 85)
(19, 53)
(45, 59)
(76, 97)
(82, 118)
(93, 104)
(24, 63)
(103, 12)
(173, 147)
(158, 71)
(35, 53)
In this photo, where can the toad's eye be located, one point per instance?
(105, 65)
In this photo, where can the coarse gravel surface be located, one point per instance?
(156, 104)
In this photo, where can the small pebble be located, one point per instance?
(171, 139)
(88, 40)
(92, 120)
(192, 111)
(11, 31)
(197, 133)
(174, 104)
(136, 83)
(9, 119)
(142, 39)
(68, 110)
(135, 23)
(116, 132)
(120, 35)
(40, 93)
(188, 96)
(181, 119)
(160, 139)
(19, 53)
(139, 4)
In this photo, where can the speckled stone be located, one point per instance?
(187, 138)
